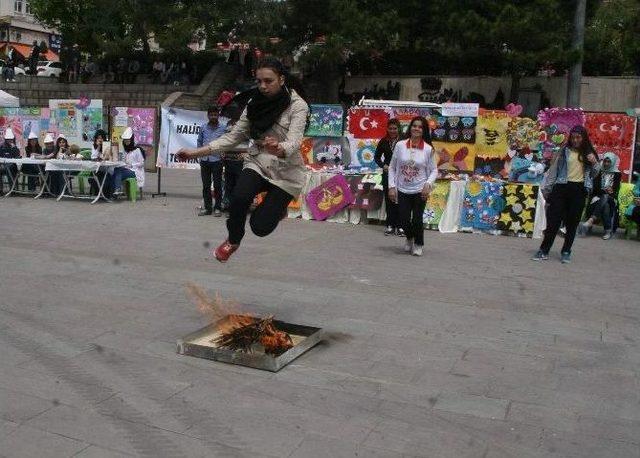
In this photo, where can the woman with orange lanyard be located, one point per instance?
(384, 152)
(412, 175)
(566, 185)
(273, 123)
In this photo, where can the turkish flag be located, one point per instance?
(368, 123)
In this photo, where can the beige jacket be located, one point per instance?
(287, 173)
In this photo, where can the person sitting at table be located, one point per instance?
(97, 153)
(55, 180)
(32, 150)
(134, 162)
(100, 152)
(49, 151)
(8, 150)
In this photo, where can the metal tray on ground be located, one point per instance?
(199, 344)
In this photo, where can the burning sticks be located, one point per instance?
(248, 331)
(240, 332)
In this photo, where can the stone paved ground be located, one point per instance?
(470, 351)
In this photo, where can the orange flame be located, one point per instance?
(218, 308)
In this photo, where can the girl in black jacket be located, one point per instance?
(383, 155)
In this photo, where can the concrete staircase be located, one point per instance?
(220, 77)
(36, 91)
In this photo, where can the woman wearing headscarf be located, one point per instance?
(273, 123)
(603, 205)
(566, 185)
(134, 162)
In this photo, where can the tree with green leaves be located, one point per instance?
(612, 46)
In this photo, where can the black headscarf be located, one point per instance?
(263, 112)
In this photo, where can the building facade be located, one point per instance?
(19, 28)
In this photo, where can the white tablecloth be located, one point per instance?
(540, 222)
(64, 165)
(23, 161)
(450, 220)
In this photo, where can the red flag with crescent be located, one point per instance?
(614, 132)
(368, 123)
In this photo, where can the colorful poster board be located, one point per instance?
(77, 119)
(436, 203)
(325, 121)
(23, 121)
(482, 205)
(518, 206)
(141, 120)
(363, 152)
(329, 198)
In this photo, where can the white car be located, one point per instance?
(49, 68)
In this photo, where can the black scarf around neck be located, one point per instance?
(263, 112)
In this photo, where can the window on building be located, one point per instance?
(17, 6)
(27, 7)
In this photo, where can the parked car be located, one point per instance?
(49, 68)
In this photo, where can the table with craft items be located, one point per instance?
(70, 168)
(455, 205)
(14, 178)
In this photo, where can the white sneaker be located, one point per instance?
(408, 245)
(417, 250)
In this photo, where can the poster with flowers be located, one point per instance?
(325, 121)
(141, 120)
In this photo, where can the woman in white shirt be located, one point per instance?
(134, 159)
(97, 152)
(412, 175)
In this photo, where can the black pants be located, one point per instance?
(566, 204)
(211, 171)
(410, 211)
(389, 205)
(10, 171)
(266, 216)
(635, 215)
(603, 209)
(32, 181)
(232, 170)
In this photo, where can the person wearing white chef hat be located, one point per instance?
(8, 150)
(134, 162)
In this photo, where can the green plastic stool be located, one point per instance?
(630, 227)
(82, 177)
(131, 189)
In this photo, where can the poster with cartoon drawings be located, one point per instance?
(482, 205)
(454, 129)
(77, 119)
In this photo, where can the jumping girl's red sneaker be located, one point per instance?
(224, 251)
